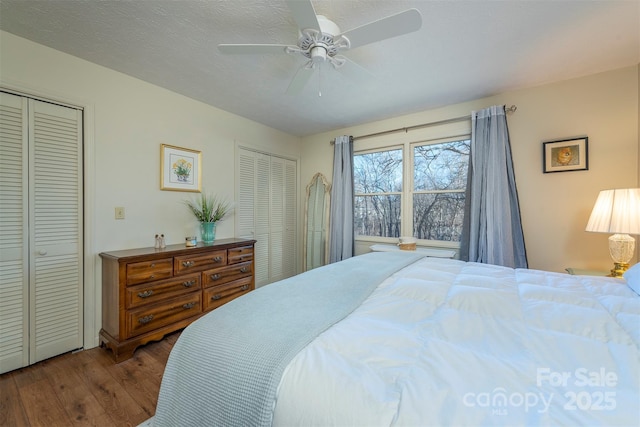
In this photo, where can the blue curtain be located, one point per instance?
(492, 232)
(341, 237)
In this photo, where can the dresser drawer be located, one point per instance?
(241, 254)
(199, 262)
(148, 318)
(218, 276)
(152, 293)
(215, 296)
(147, 271)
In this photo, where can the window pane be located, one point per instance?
(377, 215)
(379, 172)
(441, 166)
(438, 216)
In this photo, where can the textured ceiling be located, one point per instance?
(465, 50)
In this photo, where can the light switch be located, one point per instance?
(119, 212)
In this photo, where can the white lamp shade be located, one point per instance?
(616, 211)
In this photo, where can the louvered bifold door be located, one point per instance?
(14, 301)
(289, 249)
(266, 210)
(276, 239)
(252, 207)
(55, 240)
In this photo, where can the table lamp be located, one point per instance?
(617, 211)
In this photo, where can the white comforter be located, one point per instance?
(445, 342)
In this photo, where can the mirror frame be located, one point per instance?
(320, 179)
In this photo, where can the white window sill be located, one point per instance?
(436, 253)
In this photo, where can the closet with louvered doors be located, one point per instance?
(41, 261)
(266, 210)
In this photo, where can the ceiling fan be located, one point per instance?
(321, 41)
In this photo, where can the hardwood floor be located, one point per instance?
(86, 388)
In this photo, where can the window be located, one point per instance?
(423, 197)
(439, 183)
(378, 193)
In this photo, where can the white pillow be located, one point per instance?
(632, 276)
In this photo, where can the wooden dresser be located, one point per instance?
(148, 293)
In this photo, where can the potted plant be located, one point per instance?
(208, 210)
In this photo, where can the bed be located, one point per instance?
(392, 338)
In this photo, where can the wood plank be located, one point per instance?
(81, 406)
(134, 376)
(85, 388)
(11, 411)
(30, 374)
(42, 406)
(115, 400)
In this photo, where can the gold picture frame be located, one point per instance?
(180, 169)
(565, 155)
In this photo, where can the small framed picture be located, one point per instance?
(565, 155)
(180, 169)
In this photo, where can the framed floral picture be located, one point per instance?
(180, 169)
(565, 155)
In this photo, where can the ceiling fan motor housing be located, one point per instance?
(318, 46)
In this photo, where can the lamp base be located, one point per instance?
(619, 268)
(621, 247)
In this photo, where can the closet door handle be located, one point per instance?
(42, 252)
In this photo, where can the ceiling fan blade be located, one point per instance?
(395, 25)
(354, 71)
(252, 48)
(304, 14)
(301, 78)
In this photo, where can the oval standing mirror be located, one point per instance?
(316, 222)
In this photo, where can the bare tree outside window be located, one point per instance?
(378, 193)
(437, 191)
(439, 182)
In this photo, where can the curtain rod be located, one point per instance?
(511, 109)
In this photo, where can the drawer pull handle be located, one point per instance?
(244, 287)
(244, 270)
(217, 259)
(215, 277)
(145, 294)
(216, 297)
(189, 305)
(146, 319)
(188, 264)
(189, 283)
(152, 276)
(153, 264)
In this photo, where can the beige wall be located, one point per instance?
(126, 121)
(555, 206)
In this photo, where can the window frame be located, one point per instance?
(399, 193)
(407, 194)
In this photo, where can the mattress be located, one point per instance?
(444, 342)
